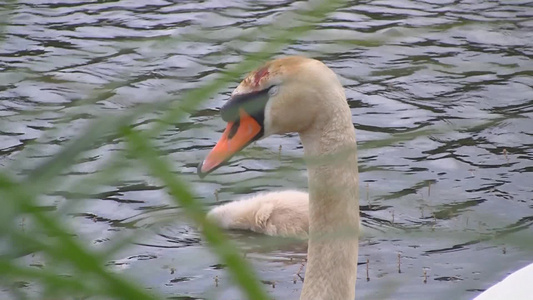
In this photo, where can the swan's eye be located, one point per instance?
(273, 90)
(253, 103)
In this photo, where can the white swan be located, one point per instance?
(297, 94)
(517, 286)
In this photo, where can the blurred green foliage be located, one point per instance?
(47, 233)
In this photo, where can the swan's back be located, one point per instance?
(283, 213)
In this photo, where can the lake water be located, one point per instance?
(442, 102)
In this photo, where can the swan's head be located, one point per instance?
(284, 95)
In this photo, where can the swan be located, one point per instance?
(517, 286)
(280, 213)
(303, 95)
(297, 94)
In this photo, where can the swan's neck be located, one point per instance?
(330, 150)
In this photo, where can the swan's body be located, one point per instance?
(283, 213)
(517, 286)
(302, 95)
(280, 213)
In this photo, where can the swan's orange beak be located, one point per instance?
(238, 134)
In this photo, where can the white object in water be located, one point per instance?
(517, 286)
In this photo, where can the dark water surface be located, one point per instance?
(442, 101)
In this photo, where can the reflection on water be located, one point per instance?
(442, 100)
